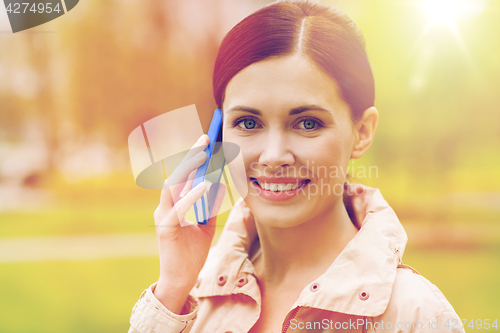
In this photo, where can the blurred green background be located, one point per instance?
(77, 243)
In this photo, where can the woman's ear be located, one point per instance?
(365, 131)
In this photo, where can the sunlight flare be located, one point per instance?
(450, 11)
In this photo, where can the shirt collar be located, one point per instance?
(359, 281)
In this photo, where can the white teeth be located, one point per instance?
(278, 187)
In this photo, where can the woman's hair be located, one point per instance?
(325, 35)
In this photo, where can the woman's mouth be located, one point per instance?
(281, 191)
(280, 187)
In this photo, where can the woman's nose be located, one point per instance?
(276, 152)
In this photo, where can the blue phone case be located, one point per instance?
(203, 206)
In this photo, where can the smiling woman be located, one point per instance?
(284, 113)
(303, 250)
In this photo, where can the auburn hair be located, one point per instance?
(322, 33)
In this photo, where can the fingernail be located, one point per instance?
(202, 139)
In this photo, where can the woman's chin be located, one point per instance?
(277, 215)
(270, 220)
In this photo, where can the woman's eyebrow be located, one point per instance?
(293, 111)
(305, 108)
(246, 109)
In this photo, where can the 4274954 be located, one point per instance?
(41, 7)
(472, 324)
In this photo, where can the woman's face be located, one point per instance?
(296, 137)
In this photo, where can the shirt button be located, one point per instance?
(359, 190)
(222, 280)
(363, 295)
(315, 287)
(242, 281)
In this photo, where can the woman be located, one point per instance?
(303, 251)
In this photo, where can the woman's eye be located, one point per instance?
(247, 124)
(308, 124)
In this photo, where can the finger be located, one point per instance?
(221, 192)
(166, 195)
(169, 189)
(183, 205)
(189, 184)
(177, 181)
(184, 170)
(197, 147)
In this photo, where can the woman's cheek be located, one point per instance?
(331, 163)
(250, 152)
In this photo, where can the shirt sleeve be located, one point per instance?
(418, 306)
(445, 322)
(149, 315)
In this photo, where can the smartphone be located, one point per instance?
(211, 171)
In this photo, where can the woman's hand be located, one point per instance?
(183, 245)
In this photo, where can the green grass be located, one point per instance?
(64, 296)
(98, 295)
(101, 206)
(109, 205)
(75, 221)
(468, 278)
